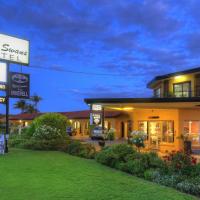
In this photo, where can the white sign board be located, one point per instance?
(96, 107)
(14, 50)
(2, 143)
(3, 73)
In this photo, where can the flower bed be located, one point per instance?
(178, 170)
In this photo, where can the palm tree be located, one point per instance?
(21, 104)
(30, 109)
(36, 99)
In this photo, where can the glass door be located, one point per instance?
(192, 128)
(155, 133)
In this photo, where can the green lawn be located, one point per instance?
(27, 175)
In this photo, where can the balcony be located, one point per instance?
(179, 94)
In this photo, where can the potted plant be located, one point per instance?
(137, 138)
(187, 144)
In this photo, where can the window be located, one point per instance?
(159, 130)
(192, 128)
(182, 89)
(168, 131)
(157, 92)
(143, 127)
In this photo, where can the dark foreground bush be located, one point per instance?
(67, 145)
(77, 148)
(115, 155)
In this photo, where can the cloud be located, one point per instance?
(154, 16)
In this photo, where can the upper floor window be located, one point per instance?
(182, 89)
(157, 92)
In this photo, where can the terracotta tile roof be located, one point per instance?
(84, 114)
(25, 116)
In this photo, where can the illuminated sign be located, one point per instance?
(96, 119)
(19, 85)
(2, 100)
(2, 86)
(3, 73)
(14, 49)
(96, 107)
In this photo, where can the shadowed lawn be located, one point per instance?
(28, 175)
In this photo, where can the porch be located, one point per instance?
(163, 120)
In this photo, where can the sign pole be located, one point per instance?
(7, 110)
(103, 120)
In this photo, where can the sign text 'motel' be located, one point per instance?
(14, 50)
(19, 85)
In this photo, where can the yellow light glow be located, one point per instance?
(128, 108)
(178, 77)
(20, 121)
(121, 108)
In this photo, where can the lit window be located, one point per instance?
(192, 128)
(182, 89)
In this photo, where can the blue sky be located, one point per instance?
(132, 40)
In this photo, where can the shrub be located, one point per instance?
(151, 174)
(111, 134)
(180, 163)
(189, 186)
(136, 167)
(107, 157)
(115, 155)
(46, 133)
(76, 148)
(155, 162)
(53, 144)
(196, 171)
(137, 138)
(168, 180)
(53, 120)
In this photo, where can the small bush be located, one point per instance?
(155, 161)
(115, 155)
(180, 163)
(76, 148)
(151, 174)
(111, 134)
(189, 186)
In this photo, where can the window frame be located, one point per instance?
(182, 92)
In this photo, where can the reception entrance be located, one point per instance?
(157, 132)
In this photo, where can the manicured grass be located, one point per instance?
(28, 175)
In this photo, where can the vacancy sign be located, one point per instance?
(14, 50)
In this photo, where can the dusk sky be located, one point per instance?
(101, 48)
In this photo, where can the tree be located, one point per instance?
(21, 104)
(36, 99)
(30, 109)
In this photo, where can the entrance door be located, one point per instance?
(155, 133)
(192, 128)
(122, 129)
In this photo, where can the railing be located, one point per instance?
(179, 94)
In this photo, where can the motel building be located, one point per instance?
(79, 121)
(173, 110)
